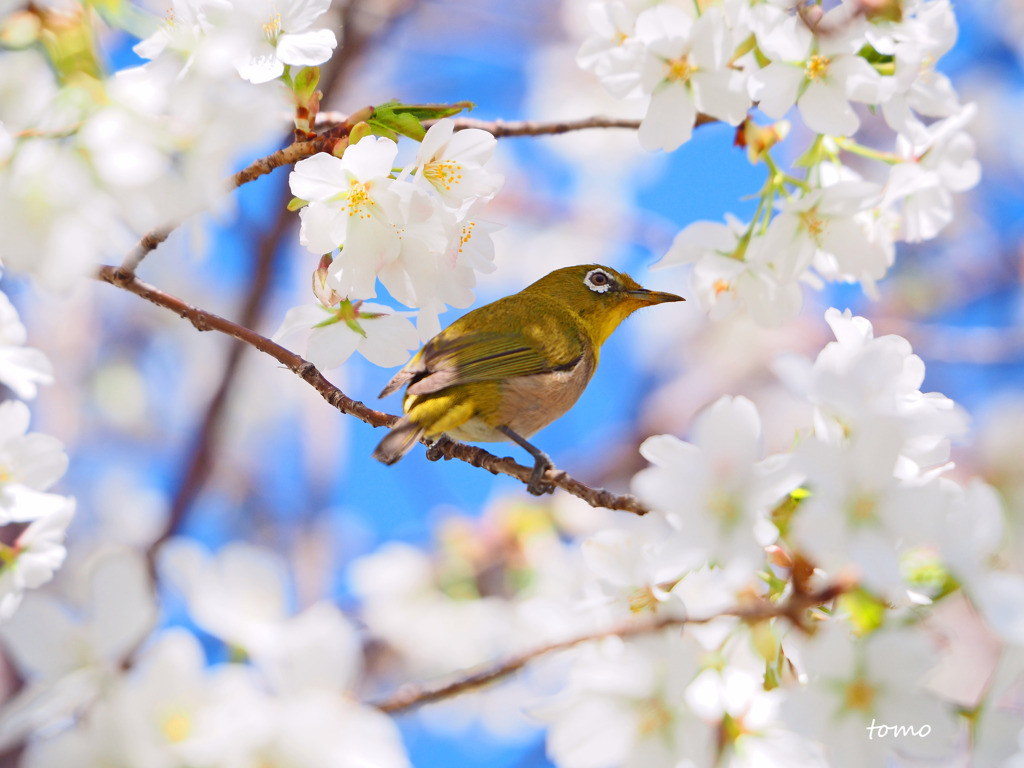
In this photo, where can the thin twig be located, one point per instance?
(508, 128)
(449, 449)
(411, 695)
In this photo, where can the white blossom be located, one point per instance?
(684, 69)
(453, 163)
(67, 653)
(30, 463)
(277, 34)
(326, 338)
(625, 706)
(21, 368)
(352, 206)
(34, 557)
(938, 162)
(821, 74)
(855, 684)
(717, 490)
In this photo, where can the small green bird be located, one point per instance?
(508, 369)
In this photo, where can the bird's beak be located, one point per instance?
(654, 297)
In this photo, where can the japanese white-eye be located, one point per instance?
(508, 369)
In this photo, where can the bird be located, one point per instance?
(508, 369)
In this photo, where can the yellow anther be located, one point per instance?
(814, 224)
(443, 173)
(859, 695)
(176, 728)
(358, 199)
(817, 67)
(679, 70)
(273, 27)
(642, 600)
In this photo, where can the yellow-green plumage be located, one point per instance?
(516, 364)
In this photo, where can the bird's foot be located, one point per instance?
(537, 486)
(436, 449)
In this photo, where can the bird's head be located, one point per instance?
(601, 297)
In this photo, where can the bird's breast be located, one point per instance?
(530, 403)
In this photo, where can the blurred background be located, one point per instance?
(170, 430)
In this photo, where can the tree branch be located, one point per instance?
(507, 128)
(449, 449)
(411, 696)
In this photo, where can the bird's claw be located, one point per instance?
(435, 450)
(537, 486)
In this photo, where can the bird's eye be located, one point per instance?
(598, 280)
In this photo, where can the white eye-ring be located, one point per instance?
(598, 281)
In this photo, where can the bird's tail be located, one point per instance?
(399, 441)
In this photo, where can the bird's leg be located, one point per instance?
(436, 449)
(542, 463)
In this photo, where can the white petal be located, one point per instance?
(373, 157)
(306, 49)
(774, 88)
(825, 109)
(300, 14)
(261, 64)
(669, 119)
(721, 94)
(318, 178)
(331, 345)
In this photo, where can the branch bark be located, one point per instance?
(449, 449)
(411, 696)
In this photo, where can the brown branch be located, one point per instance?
(508, 128)
(449, 449)
(793, 609)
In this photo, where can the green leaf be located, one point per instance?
(393, 117)
(296, 203)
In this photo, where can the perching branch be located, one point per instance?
(449, 449)
(794, 608)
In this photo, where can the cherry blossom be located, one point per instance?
(718, 490)
(821, 74)
(21, 368)
(453, 163)
(684, 71)
(278, 34)
(854, 684)
(327, 337)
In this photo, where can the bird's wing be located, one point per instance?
(459, 359)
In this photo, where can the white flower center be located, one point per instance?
(817, 67)
(443, 173)
(272, 28)
(679, 70)
(357, 200)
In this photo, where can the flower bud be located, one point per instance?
(326, 295)
(758, 139)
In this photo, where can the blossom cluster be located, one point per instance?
(837, 222)
(419, 234)
(863, 504)
(89, 162)
(283, 698)
(35, 520)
